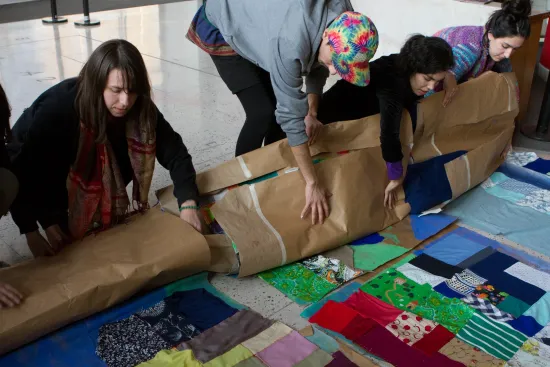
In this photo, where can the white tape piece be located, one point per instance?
(468, 175)
(262, 216)
(245, 169)
(435, 146)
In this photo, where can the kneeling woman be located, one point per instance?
(397, 81)
(83, 140)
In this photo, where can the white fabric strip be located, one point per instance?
(245, 169)
(262, 216)
(435, 146)
(468, 175)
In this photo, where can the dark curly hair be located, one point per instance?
(510, 21)
(425, 55)
(5, 114)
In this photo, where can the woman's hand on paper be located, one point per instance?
(316, 203)
(313, 128)
(9, 296)
(451, 88)
(191, 216)
(390, 195)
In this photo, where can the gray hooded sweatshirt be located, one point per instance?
(281, 37)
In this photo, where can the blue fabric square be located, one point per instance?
(371, 239)
(492, 268)
(540, 165)
(444, 289)
(526, 324)
(518, 187)
(426, 184)
(426, 226)
(453, 249)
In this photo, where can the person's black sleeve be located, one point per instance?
(391, 109)
(173, 155)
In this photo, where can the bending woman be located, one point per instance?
(84, 140)
(9, 297)
(263, 48)
(397, 81)
(484, 48)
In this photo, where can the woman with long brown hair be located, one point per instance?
(9, 297)
(84, 140)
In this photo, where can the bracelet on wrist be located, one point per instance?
(190, 207)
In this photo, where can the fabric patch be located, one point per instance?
(521, 158)
(493, 268)
(420, 276)
(288, 351)
(410, 328)
(477, 257)
(404, 260)
(231, 358)
(470, 356)
(267, 337)
(372, 308)
(318, 358)
(298, 283)
(459, 287)
(526, 325)
(453, 249)
(487, 308)
(428, 176)
(435, 340)
(382, 343)
(323, 341)
(342, 253)
(168, 323)
(495, 338)
(339, 318)
(371, 239)
(470, 278)
(172, 358)
(536, 348)
(427, 226)
(490, 293)
(128, 343)
(434, 266)
(338, 296)
(451, 313)
(530, 275)
(340, 360)
(446, 291)
(332, 270)
(370, 257)
(539, 165)
(524, 359)
(538, 200)
(543, 333)
(226, 335)
(394, 288)
(513, 306)
(250, 362)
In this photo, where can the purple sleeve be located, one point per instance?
(395, 170)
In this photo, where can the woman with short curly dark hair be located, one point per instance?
(397, 81)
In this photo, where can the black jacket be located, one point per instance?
(45, 143)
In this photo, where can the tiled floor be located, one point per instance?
(187, 90)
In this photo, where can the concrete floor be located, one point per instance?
(187, 89)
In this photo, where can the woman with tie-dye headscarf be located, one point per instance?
(263, 48)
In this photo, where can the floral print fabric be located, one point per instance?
(490, 293)
(332, 270)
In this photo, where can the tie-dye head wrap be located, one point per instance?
(354, 40)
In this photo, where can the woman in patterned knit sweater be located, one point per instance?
(478, 49)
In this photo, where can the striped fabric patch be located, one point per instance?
(498, 339)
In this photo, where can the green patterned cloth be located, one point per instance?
(396, 289)
(332, 270)
(298, 283)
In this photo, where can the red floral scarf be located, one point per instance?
(97, 193)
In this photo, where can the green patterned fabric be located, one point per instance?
(396, 289)
(449, 312)
(298, 283)
(370, 257)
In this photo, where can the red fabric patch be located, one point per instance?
(334, 316)
(384, 344)
(357, 327)
(372, 308)
(434, 341)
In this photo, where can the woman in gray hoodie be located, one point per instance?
(263, 49)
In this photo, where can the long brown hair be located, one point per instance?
(5, 114)
(89, 103)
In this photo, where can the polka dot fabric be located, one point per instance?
(354, 41)
(410, 328)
